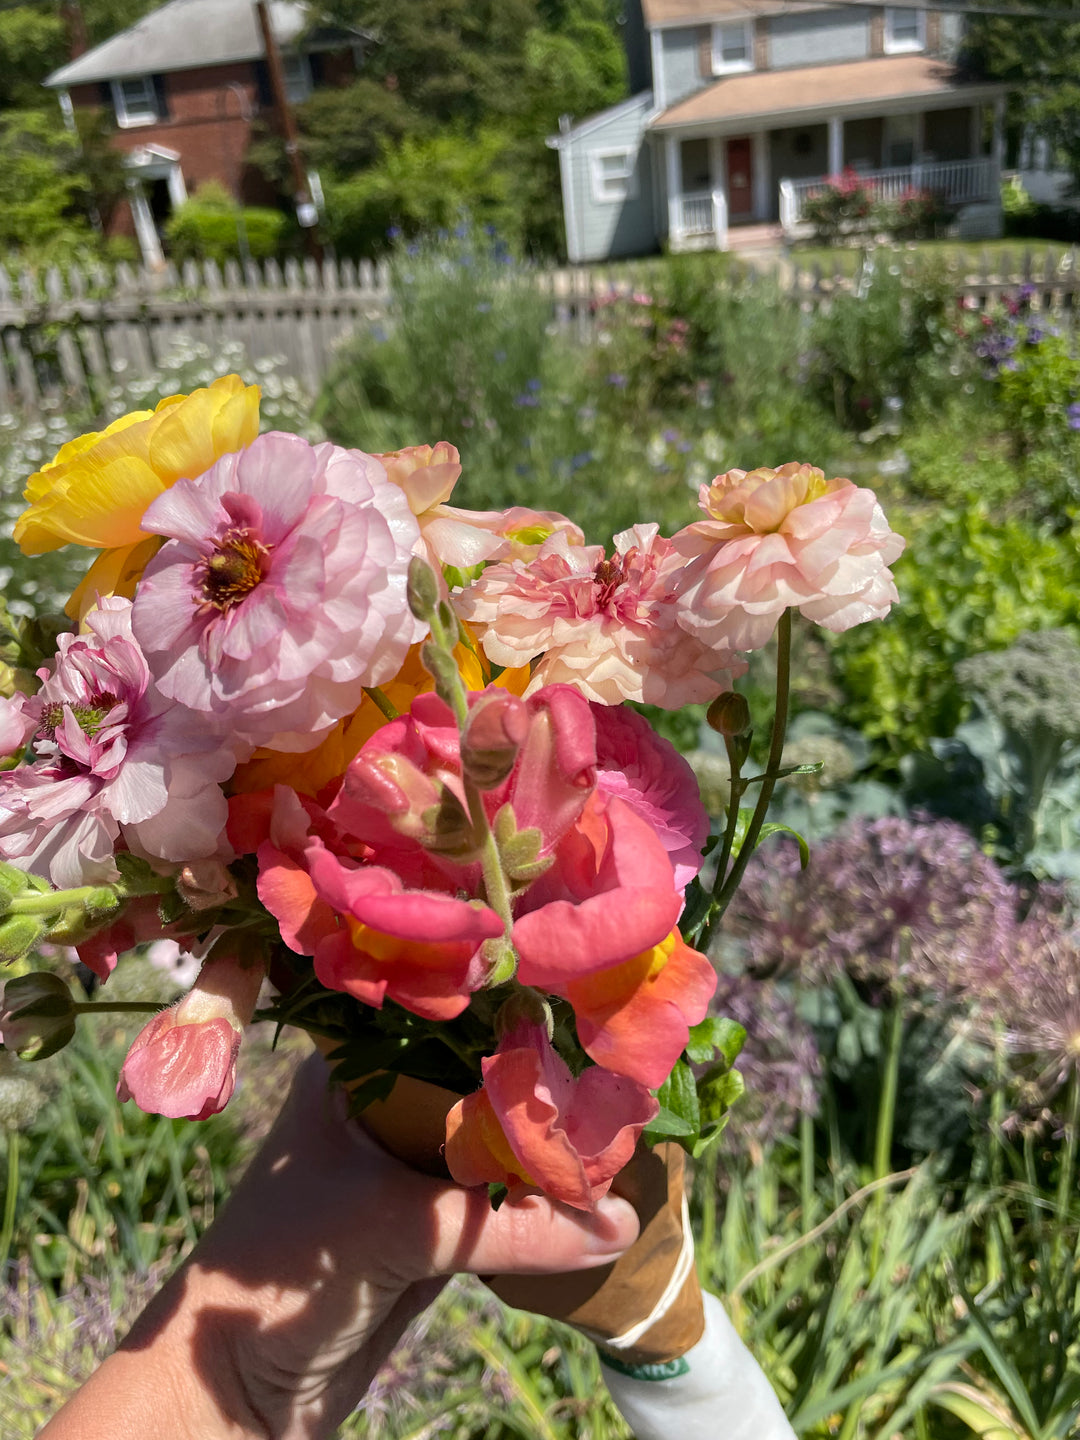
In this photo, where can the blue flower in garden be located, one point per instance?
(394, 232)
(1034, 334)
(684, 447)
(413, 249)
(532, 384)
(484, 307)
(1073, 413)
(582, 458)
(461, 231)
(670, 437)
(587, 413)
(529, 402)
(618, 381)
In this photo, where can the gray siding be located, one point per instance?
(818, 37)
(679, 62)
(610, 228)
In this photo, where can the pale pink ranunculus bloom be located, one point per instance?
(779, 539)
(113, 759)
(17, 724)
(183, 1063)
(606, 626)
(281, 592)
(534, 1124)
(462, 538)
(648, 773)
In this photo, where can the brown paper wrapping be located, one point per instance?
(604, 1303)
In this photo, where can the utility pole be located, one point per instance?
(306, 212)
(75, 26)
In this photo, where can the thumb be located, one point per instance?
(529, 1235)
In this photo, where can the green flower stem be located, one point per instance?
(806, 1169)
(11, 1195)
(1068, 1158)
(495, 887)
(45, 902)
(117, 1007)
(379, 698)
(886, 1121)
(730, 883)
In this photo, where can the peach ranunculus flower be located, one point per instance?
(465, 538)
(97, 489)
(774, 539)
(534, 1124)
(606, 626)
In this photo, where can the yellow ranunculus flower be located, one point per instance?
(96, 491)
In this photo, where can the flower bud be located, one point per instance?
(19, 934)
(205, 884)
(442, 667)
(13, 882)
(497, 725)
(525, 1006)
(729, 714)
(501, 958)
(422, 590)
(37, 1015)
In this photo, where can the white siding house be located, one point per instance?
(755, 103)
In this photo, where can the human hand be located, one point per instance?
(277, 1322)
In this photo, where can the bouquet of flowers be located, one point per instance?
(374, 758)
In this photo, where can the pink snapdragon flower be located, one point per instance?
(534, 1124)
(649, 774)
(779, 539)
(183, 1063)
(606, 626)
(114, 760)
(281, 592)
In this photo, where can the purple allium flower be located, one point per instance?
(617, 381)
(780, 1061)
(1073, 414)
(280, 594)
(908, 904)
(111, 756)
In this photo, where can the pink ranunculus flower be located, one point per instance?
(534, 1124)
(17, 724)
(779, 539)
(183, 1063)
(465, 538)
(649, 774)
(280, 594)
(606, 626)
(114, 759)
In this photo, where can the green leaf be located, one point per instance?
(715, 1033)
(679, 1095)
(717, 1092)
(378, 1087)
(773, 828)
(666, 1125)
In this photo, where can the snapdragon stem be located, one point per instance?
(11, 1196)
(728, 884)
(45, 902)
(382, 702)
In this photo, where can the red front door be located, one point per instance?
(740, 186)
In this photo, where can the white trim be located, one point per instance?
(656, 61)
(906, 45)
(643, 101)
(145, 229)
(124, 118)
(818, 113)
(570, 225)
(600, 180)
(720, 66)
(67, 109)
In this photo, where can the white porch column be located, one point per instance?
(997, 148)
(177, 187)
(145, 229)
(673, 173)
(836, 144)
(762, 178)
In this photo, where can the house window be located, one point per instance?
(732, 47)
(905, 30)
(297, 78)
(135, 101)
(612, 174)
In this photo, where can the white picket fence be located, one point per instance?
(65, 336)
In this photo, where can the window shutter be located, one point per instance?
(317, 66)
(877, 32)
(761, 44)
(161, 95)
(105, 94)
(933, 31)
(705, 52)
(262, 85)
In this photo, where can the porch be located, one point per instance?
(760, 169)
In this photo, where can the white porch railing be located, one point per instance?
(958, 181)
(699, 220)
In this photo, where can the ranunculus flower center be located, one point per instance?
(239, 563)
(608, 576)
(89, 718)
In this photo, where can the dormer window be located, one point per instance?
(135, 101)
(905, 30)
(732, 47)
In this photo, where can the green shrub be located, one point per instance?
(967, 584)
(211, 226)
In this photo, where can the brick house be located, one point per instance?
(184, 86)
(743, 107)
